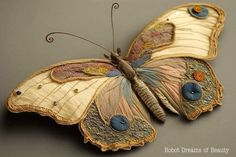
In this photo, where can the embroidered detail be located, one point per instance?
(119, 123)
(197, 8)
(191, 91)
(113, 73)
(137, 63)
(199, 12)
(198, 76)
(161, 34)
(95, 70)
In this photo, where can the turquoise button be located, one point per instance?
(191, 91)
(119, 123)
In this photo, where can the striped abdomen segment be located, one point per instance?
(148, 98)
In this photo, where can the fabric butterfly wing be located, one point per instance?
(92, 93)
(117, 119)
(180, 32)
(63, 91)
(186, 86)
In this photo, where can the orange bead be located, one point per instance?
(198, 75)
(197, 8)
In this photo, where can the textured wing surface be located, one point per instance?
(117, 119)
(63, 91)
(180, 32)
(184, 85)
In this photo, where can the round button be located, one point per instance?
(197, 8)
(119, 123)
(198, 11)
(198, 75)
(191, 91)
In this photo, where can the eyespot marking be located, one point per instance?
(191, 91)
(119, 123)
(198, 11)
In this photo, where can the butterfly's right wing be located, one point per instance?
(117, 119)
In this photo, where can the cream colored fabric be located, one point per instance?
(191, 34)
(65, 103)
(193, 37)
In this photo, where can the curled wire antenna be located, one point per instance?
(50, 39)
(114, 6)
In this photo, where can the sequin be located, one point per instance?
(76, 90)
(39, 86)
(191, 91)
(119, 123)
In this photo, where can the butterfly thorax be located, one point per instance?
(123, 66)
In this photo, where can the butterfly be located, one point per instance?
(110, 99)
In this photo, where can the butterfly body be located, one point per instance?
(149, 99)
(108, 99)
(142, 90)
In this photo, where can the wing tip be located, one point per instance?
(41, 111)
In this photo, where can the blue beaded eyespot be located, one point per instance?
(191, 91)
(119, 123)
(200, 12)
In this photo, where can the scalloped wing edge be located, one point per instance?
(44, 111)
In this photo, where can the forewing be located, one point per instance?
(180, 32)
(184, 85)
(117, 119)
(63, 91)
(84, 69)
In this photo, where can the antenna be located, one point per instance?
(114, 6)
(50, 39)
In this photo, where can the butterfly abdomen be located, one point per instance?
(148, 98)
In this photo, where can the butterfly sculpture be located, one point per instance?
(109, 99)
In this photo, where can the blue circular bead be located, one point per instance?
(119, 123)
(200, 15)
(191, 91)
